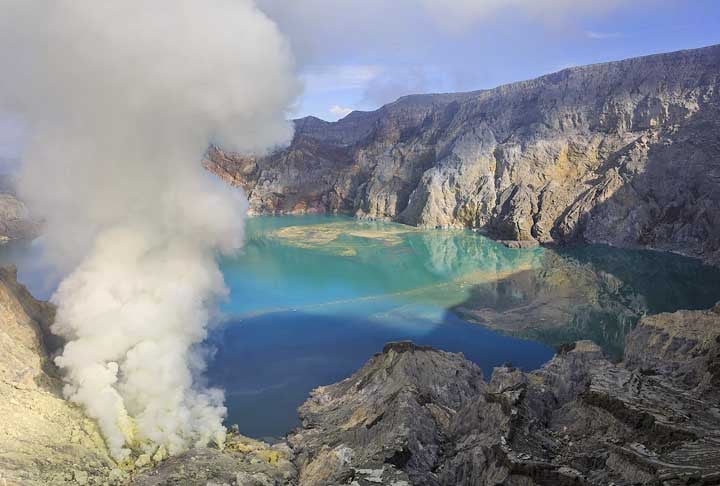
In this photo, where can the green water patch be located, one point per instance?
(407, 277)
(313, 297)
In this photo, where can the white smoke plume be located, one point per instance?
(121, 99)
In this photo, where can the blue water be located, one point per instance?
(268, 364)
(314, 297)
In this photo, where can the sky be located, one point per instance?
(356, 55)
(361, 54)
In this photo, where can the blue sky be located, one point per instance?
(360, 55)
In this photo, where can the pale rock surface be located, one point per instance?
(44, 440)
(625, 153)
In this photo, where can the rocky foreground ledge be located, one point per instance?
(411, 416)
(414, 415)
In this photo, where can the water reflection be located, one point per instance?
(313, 297)
(406, 278)
(591, 292)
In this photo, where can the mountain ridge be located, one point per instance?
(546, 75)
(624, 153)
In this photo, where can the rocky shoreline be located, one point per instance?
(623, 153)
(412, 415)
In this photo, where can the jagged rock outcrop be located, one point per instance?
(684, 345)
(624, 153)
(44, 440)
(414, 415)
(385, 423)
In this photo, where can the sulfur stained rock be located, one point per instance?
(243, 462)
(44, 440)
(622, 153)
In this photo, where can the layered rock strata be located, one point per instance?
(414, 415)
(625, 153)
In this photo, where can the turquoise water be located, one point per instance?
(314, 297)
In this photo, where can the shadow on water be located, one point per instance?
(313, 297)
(591, 292)
(667, 282)
(269, 364)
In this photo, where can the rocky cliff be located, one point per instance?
(411, 416)
(44, 440)
(15, 220)
(625, 153)
(414, 415)
(47, 441)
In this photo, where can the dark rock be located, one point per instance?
(419, 415)
(387, 420)
(519, 244)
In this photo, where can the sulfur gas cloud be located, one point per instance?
(120, 100)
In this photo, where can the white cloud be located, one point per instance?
(317, 28)
(340, 111)
(338, 77)
(590, 34)
(458, 15)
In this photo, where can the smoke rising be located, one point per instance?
(121, 99)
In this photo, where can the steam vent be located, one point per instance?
(361, 243)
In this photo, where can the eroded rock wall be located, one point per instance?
(625, 153)
(414, 415)
(44, 440)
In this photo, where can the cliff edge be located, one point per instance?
(44, 440)
(625, 153)
(415, 415)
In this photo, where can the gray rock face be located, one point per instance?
(414, 415)
(624, 153)
(15, 220)
(684, 344)
(387, 421)
(44, 440)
